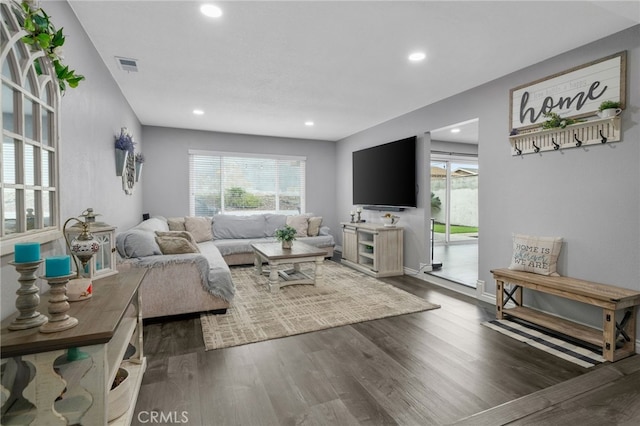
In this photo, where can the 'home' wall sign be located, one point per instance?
(574, 93)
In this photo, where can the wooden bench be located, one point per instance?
(617, 327)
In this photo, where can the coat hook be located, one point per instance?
(535, 147)
(518, 150)
(603, 140)
(555, 145)
(578, 141)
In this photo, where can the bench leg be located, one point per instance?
(609, 334)
(610, 325)
(515, 295)
(499, 299)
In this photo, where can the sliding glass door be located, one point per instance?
(454, 199)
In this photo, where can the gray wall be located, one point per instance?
(91, 116)
(590, 196)
(166, 170)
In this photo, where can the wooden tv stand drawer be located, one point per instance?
(607, 297)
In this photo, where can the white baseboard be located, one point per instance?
(458, 288)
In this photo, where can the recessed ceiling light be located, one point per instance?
(309, 123)
(211, 11)
(198, 112)
(455, 130)
(417, 57)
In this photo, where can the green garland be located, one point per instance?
(43, 35)
(554, 121)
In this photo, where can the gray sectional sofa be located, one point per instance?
(233, 235)
(194, 275)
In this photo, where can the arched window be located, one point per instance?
(28, 160)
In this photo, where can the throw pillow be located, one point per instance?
(176, 224)
(179, 234)
(176, 245)
(137, 243)
(536, 254)
(314, 226)
(300, 223)
(200, 227)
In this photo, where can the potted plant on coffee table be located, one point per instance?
(286, 235)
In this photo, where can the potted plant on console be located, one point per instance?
(286, 235)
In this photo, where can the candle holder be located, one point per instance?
(58, 306)
(352, 215)
(359, 219)
(28, 297)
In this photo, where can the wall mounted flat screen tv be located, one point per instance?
(385, 175)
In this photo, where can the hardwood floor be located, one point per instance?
(429, 368)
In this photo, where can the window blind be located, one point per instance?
(245, 184)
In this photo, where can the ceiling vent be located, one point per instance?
(127, 64)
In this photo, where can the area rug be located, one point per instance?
(547, 342)
(345, 297)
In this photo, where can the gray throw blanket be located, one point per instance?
(216, 280)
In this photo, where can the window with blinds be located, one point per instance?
(245, 184)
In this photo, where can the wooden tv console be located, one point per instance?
(373, 248)
(615, 330)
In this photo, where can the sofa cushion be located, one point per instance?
(314, 226)
(241, 246)
(274, 222)
(226, 226)
(199, 227)
(300, 223)
(176, 245)
(156, 223)
(137, 243)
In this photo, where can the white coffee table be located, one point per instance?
(275, 256)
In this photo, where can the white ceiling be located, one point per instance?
(465, 132)
(266, 67)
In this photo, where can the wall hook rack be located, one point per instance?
(595, 131)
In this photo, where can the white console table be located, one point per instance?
(41, 386)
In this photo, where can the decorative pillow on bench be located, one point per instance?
(536, 254)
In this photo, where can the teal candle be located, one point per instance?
(27, 252)
(57, 266)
